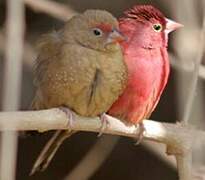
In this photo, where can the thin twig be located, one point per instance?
(29, 54)
(93, 159)
(188, 18)
(57, 10)
(13, 56)
(194, 81)
(184, 67)
(12, 83)
(158, 150)
(184, 167)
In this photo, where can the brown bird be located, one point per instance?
(80, 67)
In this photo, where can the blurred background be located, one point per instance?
(84, 156)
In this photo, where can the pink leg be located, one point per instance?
(69, 114)
(105, 123)
(141, 133)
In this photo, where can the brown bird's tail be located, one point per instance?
(50, 149)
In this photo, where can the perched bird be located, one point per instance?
(145, 53)
(80, 67)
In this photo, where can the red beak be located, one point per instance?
(172, 25)
(115, 36)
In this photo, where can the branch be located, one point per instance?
(178, 138)
(185, 67)
(184, 167)
(91, 162)
(29, 53)
(193, 84)
(52, 119)
(12, 83)
(57, 10)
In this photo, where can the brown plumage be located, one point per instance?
(80, 67)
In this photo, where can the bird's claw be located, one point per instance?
(105, 123)
(141, 133)
(69, 114)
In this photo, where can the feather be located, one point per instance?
(144, 12)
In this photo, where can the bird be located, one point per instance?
(145, 53)
(80, 68)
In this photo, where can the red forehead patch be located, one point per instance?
(105, 27)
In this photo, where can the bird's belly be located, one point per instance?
(133, 106)
(138, 100)
(87, 97)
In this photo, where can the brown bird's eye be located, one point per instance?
(97, 32)
(157, 27)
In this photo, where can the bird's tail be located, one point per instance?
(50, 149)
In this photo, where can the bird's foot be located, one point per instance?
(141, 133)
(69, 114)
(105, 123)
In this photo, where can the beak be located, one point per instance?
(172, 25)
(115, 36)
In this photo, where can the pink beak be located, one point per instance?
(172, 25)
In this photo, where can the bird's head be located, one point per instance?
(147, 26)
(95, 29)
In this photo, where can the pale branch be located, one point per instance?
(91, 162)
(185, 67)
(178, 138)
(194, 81)
(51, 119)
(55, 9)
(12, 76)
(184, 164)
(29, 53)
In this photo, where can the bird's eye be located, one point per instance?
(157, 27)
(97, 32)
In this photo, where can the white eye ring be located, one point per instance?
(157, 27)
(97, 32)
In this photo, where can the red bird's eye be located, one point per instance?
(157, 27)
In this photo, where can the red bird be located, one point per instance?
(145, 53)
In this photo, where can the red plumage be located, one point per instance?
(146, 56)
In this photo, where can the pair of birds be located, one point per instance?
(96, 64)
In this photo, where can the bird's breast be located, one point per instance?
(147, 75)
(88, 83)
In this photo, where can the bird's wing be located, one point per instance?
(48, 47)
